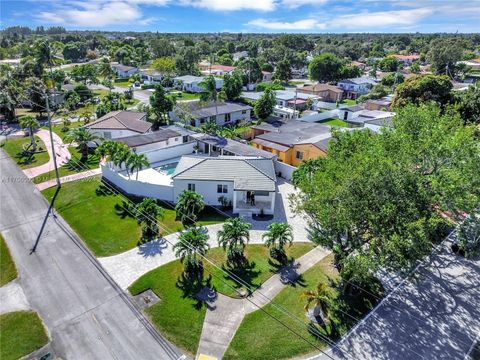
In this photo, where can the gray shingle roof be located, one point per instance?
(235, 147)
(119, 120)
(200, 111)
(144, 139)
(293, 132)
(247, 173)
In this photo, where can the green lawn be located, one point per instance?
(15, 148)
(334, 122)
(182, 95)
(179, 316)
(8, 271)
(102, 222)
(348, 102)
(22, 332)
(72, 167)
(254, 341)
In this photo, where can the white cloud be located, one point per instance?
(360, 21)
(231, 5)
(93, 14)
(306, 24)
(297, 3)
(371, 20)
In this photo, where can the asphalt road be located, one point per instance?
(87, 314)
(435, 316)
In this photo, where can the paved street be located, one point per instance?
(436, 316)
(86, 313)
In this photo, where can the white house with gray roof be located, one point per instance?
(222, 114)
(247, 183)
(190, 83)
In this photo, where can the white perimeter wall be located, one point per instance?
(285, 169)
(170, 152)
(135, 187)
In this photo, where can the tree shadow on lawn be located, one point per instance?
(199, 290)
(79, 165)
(247, 273)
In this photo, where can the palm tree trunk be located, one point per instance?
(32, 139)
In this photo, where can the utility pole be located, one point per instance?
(49, 116)
(295, 106)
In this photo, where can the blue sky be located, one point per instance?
(316, 16)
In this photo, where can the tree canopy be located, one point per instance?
(423, 88)
(375, 200)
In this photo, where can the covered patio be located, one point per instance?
(255, 202)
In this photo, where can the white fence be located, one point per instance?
(170, 152)
(138, 188)
(320, 116)
(284, 170)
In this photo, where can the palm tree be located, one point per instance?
(211, 94)
(320, 297)
(147, 213)
(121, 157)
(107, 149)
(233, 238)
(192, 245)
(189, 205)
(29, 122)
(82, 137)
(137, 162)
(46, 53)
(105, 69)
(276, 237)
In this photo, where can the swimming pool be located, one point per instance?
(167, 169)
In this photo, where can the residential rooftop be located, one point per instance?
(247, 173)
(199, 110)
(122, 119)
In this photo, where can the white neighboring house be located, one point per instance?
(226, 113)
(240, 55)
(356, 87)
(248, 183)
(190, 83)
(124, 71)
(151, 76)
(357, 115)
(119, 124)
(378, 124)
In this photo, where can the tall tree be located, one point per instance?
(277, 236)
(283, 71)
(191, 247)
(321, 298)
(326, 67)
(161, 105)
(423, 88)
(147, 213)
(232, 85)
(29, 122)
(137, 162)
(263, 108)
(233, 237)
(444, 54)
(375, 199)
(188, 207)
(83, 138)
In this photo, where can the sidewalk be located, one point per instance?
(225, 314)
(82, 175)
(61, 153)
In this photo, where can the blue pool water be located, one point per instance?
(167, 169)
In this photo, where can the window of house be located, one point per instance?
(262, 193)
(185, 138)
(107, 134)
(222, 189)
(244, 111)
(191, 187)
(227, 117)
(212, 118)
(299, 155)
(202, 121)
(176, 139)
